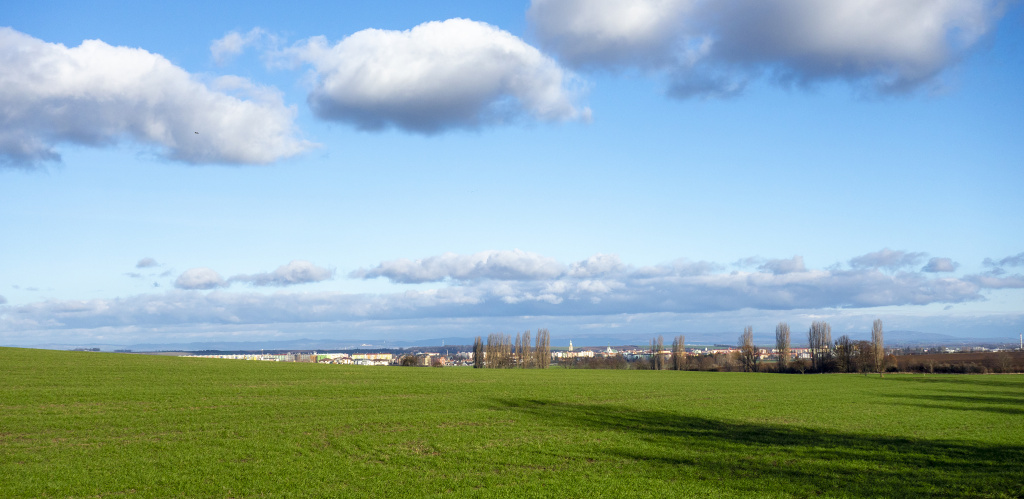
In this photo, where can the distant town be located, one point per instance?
(957, 359)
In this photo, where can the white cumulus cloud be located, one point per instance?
(436, 76)
(714, 47)
(97, 94)
(610, 32)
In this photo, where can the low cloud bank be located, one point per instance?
(504, 284)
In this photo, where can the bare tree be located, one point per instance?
(679, 353)
(782, 345)
(819, 340)
(799, 365)
(478, 353)
(878, 345)
(518, 362)
(527, 361)
(491, 355)
(865, 358)
(657, 359)
(844, 354)
(748, 352)
(542, 354)
(505, 349)
(499, 351)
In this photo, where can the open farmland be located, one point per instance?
(93, 424)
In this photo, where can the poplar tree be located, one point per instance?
(527, 361)
(499, 351)
(748, 352)
(782, 345)
(878, 345)
(542, 354)
(657, 360)
(492, 351)
(679, 353)
(519, 350)
(819, 340)
(478, 353)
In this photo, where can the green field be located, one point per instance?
(89, 424)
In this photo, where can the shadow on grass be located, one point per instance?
(1013, 383)
(993, 409)
(755, 458)
(988, 403)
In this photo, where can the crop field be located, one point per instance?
(83, 424)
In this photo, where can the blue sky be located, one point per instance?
(408, 170)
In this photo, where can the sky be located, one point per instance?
(226, 171)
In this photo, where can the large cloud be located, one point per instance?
(713, 47)
(96, 94)
(296, 272)
(436, 76)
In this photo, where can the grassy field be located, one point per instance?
(89, 424)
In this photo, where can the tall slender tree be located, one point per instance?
(657, 359)
(748, 352)
(878, 345)
(527, 354)
(782, 345)
(505, 348)
(491, 355)
(478, 353)
(819, 340)
(519, 350)
(679, 353)
(542, 353)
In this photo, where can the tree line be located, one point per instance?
(501, 353)
(826, 355)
